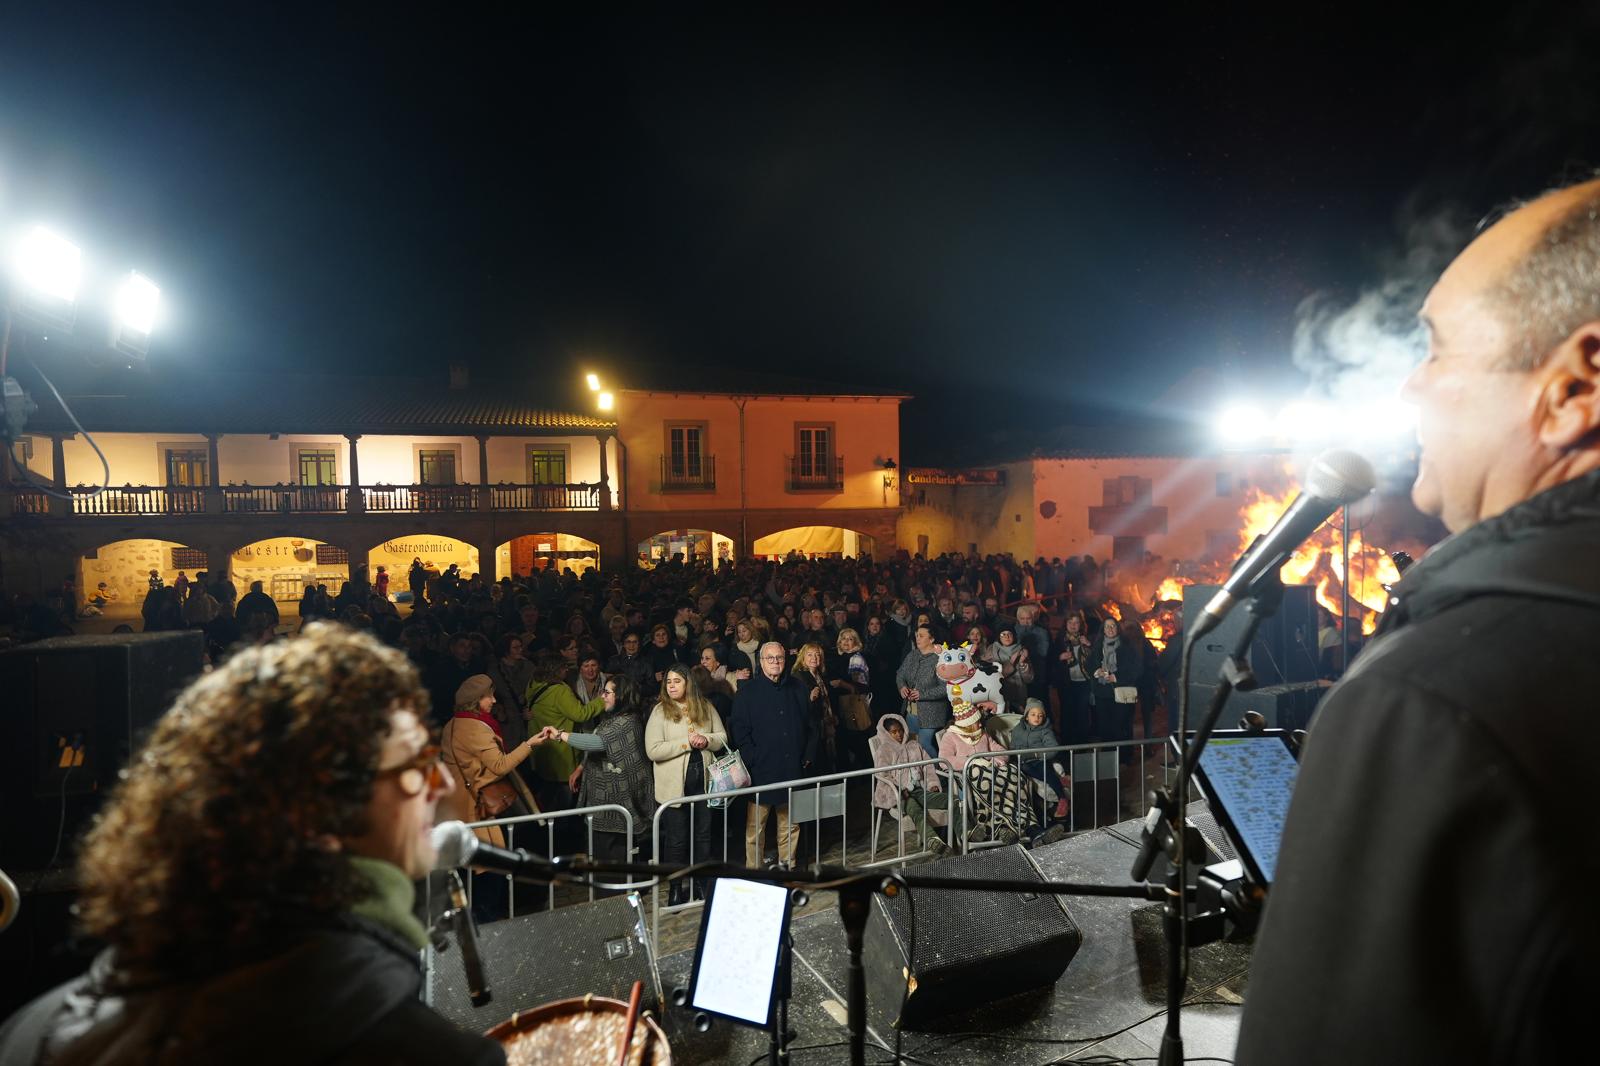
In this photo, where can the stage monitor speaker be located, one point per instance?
(597, 948)
(1280, 706)
(972, 947)
(1285, 648)
(76, 707)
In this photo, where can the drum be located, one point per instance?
(585, 1030)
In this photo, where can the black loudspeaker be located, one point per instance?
(76, 707)
(597, 948)
(972, 947)
(1280, 706)
(1285, 648)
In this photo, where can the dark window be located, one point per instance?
(814, 450)
(685, 452)
(1224, 484)
(187, 467)
(547, 466)
(318, 466)
(438, 467)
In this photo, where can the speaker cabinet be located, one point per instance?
(595, 947)
(972, 947)
(1285, 647)
(75, 708)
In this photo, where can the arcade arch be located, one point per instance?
(521, 556)
(816, 542)
(124, 566)
(702, 544)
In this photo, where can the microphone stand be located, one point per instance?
(856, 889)
(1165, 829)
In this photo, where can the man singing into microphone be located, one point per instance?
(1433, 900)
(252, 875)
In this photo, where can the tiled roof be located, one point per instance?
(302, 404)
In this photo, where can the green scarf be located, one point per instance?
(391, 901)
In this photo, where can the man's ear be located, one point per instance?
(1570, 389)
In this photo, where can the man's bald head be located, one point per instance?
(1551, 283)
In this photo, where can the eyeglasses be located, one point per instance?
(423, 771)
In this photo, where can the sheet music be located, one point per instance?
(1252, 779)
(739, 957)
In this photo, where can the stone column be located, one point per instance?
(354, 502)
(484, 501)
(213, 488)
(605, 475)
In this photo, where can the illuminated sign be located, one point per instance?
(924, 475)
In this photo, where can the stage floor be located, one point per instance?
(1110, 1001)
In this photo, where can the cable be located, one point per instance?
(105, 465)
(61, 827)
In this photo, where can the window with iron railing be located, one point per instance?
(547, 466)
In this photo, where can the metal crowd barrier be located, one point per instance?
(1093, 765)
(815, 801)
(530, 823)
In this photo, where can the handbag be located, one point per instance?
(494, 798)
(1125, 694)
(728, 772)
(856, 711)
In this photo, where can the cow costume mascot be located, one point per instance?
(970, 682)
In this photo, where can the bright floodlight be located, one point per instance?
(594, 382)
(607, 401)
(1242, 424)
(137, 301)
(1304, 420)
(49, 265)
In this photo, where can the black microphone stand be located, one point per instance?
(1166, 831)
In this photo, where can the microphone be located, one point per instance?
(1336, 478)
(456, 845)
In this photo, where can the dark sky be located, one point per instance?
(1060, 208)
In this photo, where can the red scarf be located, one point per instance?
(486, 719)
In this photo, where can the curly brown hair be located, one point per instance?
(216, 839)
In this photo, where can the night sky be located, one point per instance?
(1053, 209)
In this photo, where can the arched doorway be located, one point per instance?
(530, 552)
(285, 565)
(124, 566)
(437, 552)
(814, 542)
(701, 545)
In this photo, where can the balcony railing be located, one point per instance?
(284, 499)
(807, 474)
(694, 473)
(544, 497)
(139, 499)
(308, 499)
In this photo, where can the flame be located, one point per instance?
(1369, 624)
(1154, 632)
(1110, 607)
(1171, 589)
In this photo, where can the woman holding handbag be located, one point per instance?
(472, 745)
(680, 737)
(850, 678)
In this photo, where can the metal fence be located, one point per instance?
(1088, 776)
(530, 840)
(818, 802)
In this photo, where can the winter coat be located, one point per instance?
(620, 774)
(919, 671)
(956, 749)
(666, 742)
(1025, 736)
(553, 703)
(772, 732)
(886, 787)
(1442, 769)
(477, 758)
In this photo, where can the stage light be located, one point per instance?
(1241, 424)
(1304, 420)
(137, 301)
(607, 401)
(594, 382)
(49, 266)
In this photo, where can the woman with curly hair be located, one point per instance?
(252, 874)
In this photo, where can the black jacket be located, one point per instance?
(773, 731)
(344, 994)
(1431, 901)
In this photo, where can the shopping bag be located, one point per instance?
(727, 773)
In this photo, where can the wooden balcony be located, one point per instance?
(246, 500)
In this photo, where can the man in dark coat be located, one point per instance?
(1433, 896)
(772, 733)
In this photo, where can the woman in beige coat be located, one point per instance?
(680, 737)
(473, 746)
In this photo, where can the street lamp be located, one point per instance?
(49, 268)
(594, 382)
(138, 300)
(607, 401)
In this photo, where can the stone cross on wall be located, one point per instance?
(1127, 516)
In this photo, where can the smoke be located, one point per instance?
(1364, 350)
